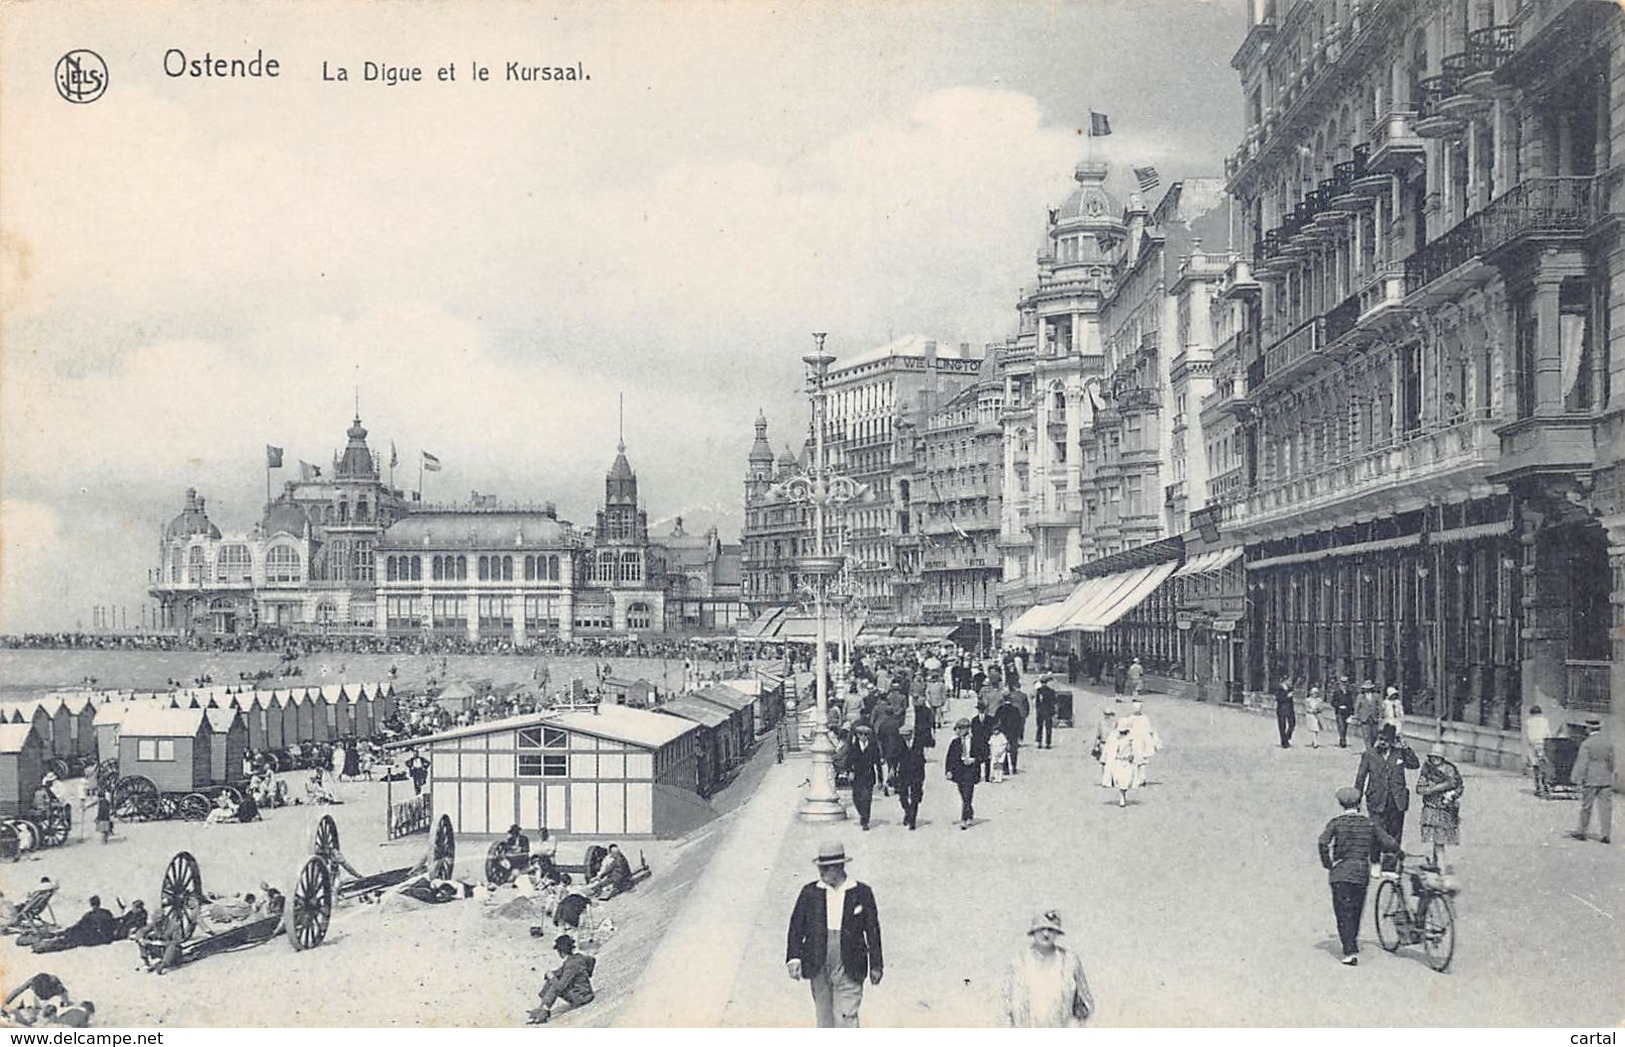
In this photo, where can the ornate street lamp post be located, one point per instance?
(821, 488)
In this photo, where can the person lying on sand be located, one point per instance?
(26, 1004)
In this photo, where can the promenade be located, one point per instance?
(1201, 904)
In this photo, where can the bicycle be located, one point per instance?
(1431, 922)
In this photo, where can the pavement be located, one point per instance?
(1202, 903)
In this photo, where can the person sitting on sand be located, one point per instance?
(160, 941)
(613, 877)
(230, 909)
(570, 983)
(74, 1015)
(132, 920)
(272, 904)
(316, 790)
(224, 810)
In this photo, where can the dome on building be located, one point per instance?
(192, 519)
(1090, 201)
(760, 451)
(285, 516)
(787, 463)
(621, 469)
(356, 463)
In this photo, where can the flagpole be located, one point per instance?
(420, 476)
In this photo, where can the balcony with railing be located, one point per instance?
(1303, 342)
(1487, 50)
(1436, 460)
(1549, 206)
(1395, 145)
(1436, 116)
(1173, 494)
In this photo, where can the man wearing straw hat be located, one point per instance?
(834, 939)
(1595, 775)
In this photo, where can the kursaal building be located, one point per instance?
(349, 552)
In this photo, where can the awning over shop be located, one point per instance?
(1114, 596)
(764, 627)
(1036, 621)
(1209, 562)
(1354, 549)
(1095, 594)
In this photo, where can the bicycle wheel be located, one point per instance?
(1439, 931)
(1389, 913)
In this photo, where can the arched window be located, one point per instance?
(437, 568)
(197, 566)
(175, 556)
(361, 509)
(462, 568)
(507, 568)
(417, 568)
(485, 568)
(282, 564)
(344, 512)
(235, 564)
(389, 569)
(552, 568)
(638, 616)
(530, 568)
(631, 567)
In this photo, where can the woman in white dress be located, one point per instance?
(1045, 987)
(1313, 706)
(1119, 757)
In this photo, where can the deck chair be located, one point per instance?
(32, 913)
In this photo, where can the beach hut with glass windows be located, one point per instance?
(171, 747)
(613, 772)
(228, 742)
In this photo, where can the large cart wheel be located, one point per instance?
(1438, 931)
(310, 904)
(194, 807)
(1390, 915)
(497, 869)
(59, 767)
(231, 791)
(135, 799)
(56, 826)
(107, 774)
(324, 843)
(445, 849)
(181, 892)
(10, 848)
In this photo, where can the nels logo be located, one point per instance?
(81, 76)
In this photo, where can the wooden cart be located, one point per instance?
(305, 916)
(438, 864)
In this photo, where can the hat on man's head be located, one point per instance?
(1388, 733)
(1048, 920)
(1436, 750)
(1348, 796)
(830, 852)
(1368, 686)
(1392, 689)
(863, 728)
(564, 942)
(1594, 722)
(1534, 710)
(962, 725)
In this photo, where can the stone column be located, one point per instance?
(471, 614)
(1616, 599)
(1548, 345)
(1545, 633)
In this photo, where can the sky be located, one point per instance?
(194, 267)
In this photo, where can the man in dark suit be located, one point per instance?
(863, 765)
(911, 775)
(1044, 737)
(964, 768)
(1381, 779)
(834, 939)
(1343, 706)
(1013, 725)
(982, 727)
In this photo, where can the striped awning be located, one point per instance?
(1354, 549)
(1115, 595)
(1209, 562)
(1036, 621)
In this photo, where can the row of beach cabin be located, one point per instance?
(182, 740)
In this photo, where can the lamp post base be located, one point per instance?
(822, 804)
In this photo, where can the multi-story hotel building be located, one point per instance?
(1431, 491)
(777, 531)
(956, 484)
(877, 402)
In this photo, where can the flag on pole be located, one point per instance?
(273, 457)
(1147, 177)
(959, 531)
(394, 459)
(1100, 125)
(430, 463)
(309, 473)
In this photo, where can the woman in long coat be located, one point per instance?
(1045, 986)
(1439, 785)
